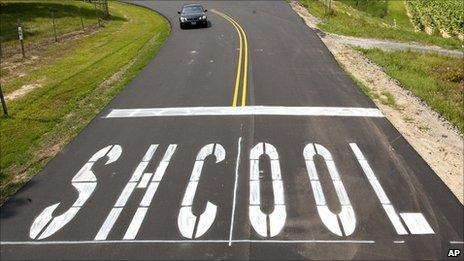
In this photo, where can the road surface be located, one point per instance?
(243, 140)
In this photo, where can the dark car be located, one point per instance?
(192, 15)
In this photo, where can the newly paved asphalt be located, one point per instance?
(395, 206)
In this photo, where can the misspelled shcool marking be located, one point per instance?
(190, 226)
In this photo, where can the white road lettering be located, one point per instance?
(186, 219)
(192, 227)
(85, 183)
(258, 219)
(416, 222)
(125, 194)
(141, 212)
(347, 216)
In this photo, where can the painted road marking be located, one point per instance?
(346, 216)
(266, 225)
(237, 164)
(187, 221)
(85, 183)
(186, 241)
(416, 222)
(147, 198)
(246, 111)
(129, 189)
(243, 53)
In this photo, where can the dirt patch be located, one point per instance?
(436, 140)
(25, 89)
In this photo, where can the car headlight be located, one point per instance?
(183, 19)
(203, 17)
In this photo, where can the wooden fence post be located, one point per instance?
(21, 38)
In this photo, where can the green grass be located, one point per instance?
(347, 20)
(384, 97)
(36, 18)
(377, 8)
(72, 73)
(435, 79)
(396, 12)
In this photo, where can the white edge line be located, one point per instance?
(457, 242)
(235, 193)
(82, 242)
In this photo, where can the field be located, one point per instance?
(74, 80)
(374, 19)
(444, 15)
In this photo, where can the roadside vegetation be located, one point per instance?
(376, 19)
(443, 17)
(437, 80)
(71, 80)
(36, 18)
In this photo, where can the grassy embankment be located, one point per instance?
(76, 78)
(435, 79)
(375, 19)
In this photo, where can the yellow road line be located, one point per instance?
(245, 69)
(243, 42)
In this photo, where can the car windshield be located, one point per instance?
(192, 9)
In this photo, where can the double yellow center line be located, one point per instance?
(242, 62)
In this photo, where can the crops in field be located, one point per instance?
(445, 15)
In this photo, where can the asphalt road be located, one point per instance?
(322, 176)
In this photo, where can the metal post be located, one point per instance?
(54, 27)
(2, 99)
(21, 38)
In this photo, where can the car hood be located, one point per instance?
(192, 15)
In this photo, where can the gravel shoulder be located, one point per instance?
(438, 142)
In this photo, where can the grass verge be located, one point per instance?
(394, 25)
(384, 97)
(437, 80)
(77, 78)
